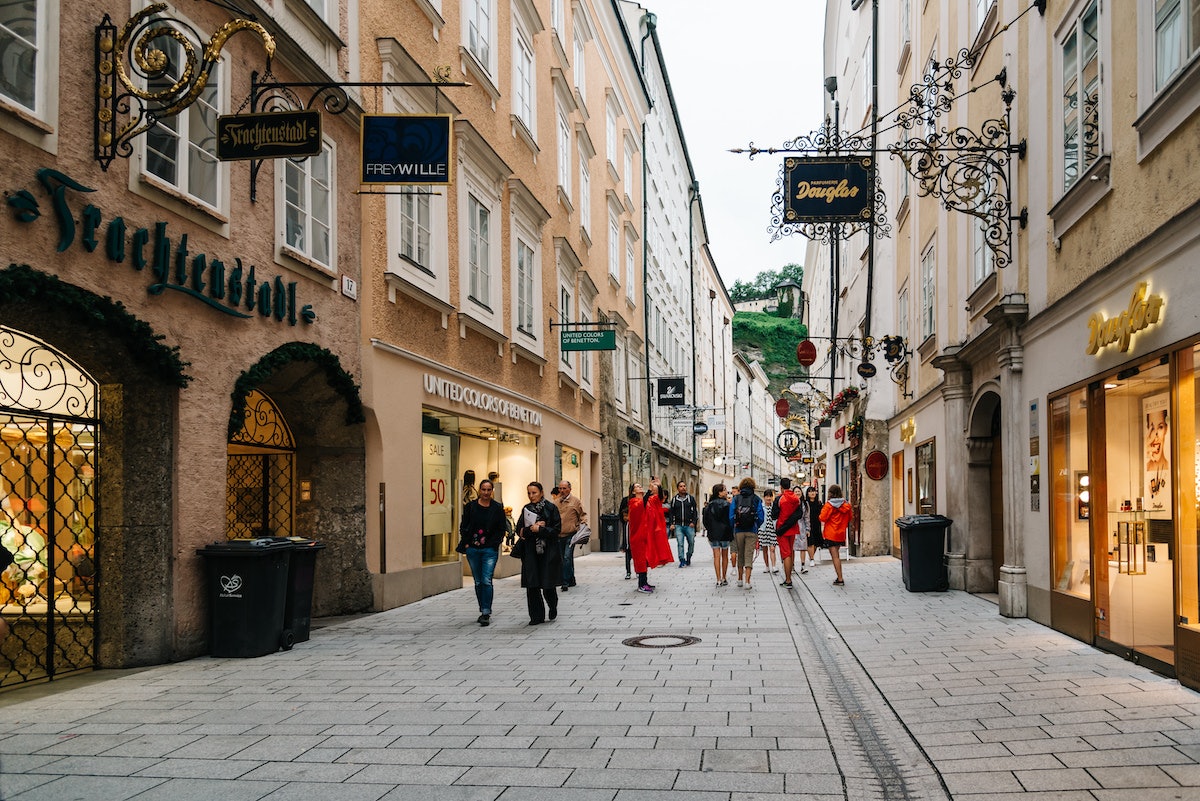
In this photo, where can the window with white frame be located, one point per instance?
(1176, 37)
(637, 386)
(614, 247)
(23, 52)
(564, 310)
(619, 374)
(585, 195)
(478, 16)
(523, 88)
(1081, 135)
(415, 226)
(564, 153)
(317, 6)
(928, 293)
(866, 77)
(479, 263)
(983, 262)
(979, 13)
(585, 357)
(308, 206)
(181, 150)
(526, 270)
(579, 67)
(905, 21)
(630, 274)
(610, 135)
(902, 313)
(558, 18)
(627, 175)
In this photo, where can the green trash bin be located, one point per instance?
(247, 582)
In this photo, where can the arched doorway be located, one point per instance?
(985, 488)
(49, 434)
(260, 476)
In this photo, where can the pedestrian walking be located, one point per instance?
(480, 533)
(720, 533)
(835, 518)
(684, 516)
(624, 514)
(647, 533)
(787, 508)
(570, 510)
(541, 561)
(746, 516)
(810, 525)
(767, 544)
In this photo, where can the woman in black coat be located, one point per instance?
(541, 562)
(720, 532)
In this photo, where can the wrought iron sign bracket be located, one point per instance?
(137, 79)
(267, 94)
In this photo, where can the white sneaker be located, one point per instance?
(739, 582)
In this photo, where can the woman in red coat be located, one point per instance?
(647, 533)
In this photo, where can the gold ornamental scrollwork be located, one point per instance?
(136, 54)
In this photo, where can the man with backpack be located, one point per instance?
(787, 526)
(683, 519)
(746, 514)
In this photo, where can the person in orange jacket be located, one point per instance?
(835, 519)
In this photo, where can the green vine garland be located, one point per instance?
(339, 380)
(22, 283)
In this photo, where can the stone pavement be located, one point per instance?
(858, 692)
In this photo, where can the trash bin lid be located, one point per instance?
(254, 547)
(923, 521)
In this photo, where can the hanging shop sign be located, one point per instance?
(866, 370)
(806, 353)
(270, 135)
(238, 291)
(587, 340)
(788, 441)
(827, 189)
(670, 391)
(699, 429)
(407, 149)
(716, 422)
(782, 407)
(1144, 311)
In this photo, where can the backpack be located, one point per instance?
(745, 517)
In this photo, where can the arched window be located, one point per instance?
(260, 473)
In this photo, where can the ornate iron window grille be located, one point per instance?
(260, 473)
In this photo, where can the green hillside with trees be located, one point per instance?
(771, 341)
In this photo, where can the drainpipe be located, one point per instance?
(693, 196)
(651, 21)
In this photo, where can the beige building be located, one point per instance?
(465, 286)
(1052, 353)
(178, 364)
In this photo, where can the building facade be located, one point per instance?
(179, 362)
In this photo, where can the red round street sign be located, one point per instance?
(806, 353)
(782, 407)
(876, 465)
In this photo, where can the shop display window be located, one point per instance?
(1187, 474)
(1071, 493)
(927, 478)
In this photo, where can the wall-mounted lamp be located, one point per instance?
(306, 491)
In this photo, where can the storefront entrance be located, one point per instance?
(48, 441)
(1123, 459)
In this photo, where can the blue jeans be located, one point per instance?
(483, 565)
(568, 560)
(687, 533)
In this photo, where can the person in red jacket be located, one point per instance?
(647, 533)
(787, 526)
(835, 519)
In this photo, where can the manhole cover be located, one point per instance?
(660, 641)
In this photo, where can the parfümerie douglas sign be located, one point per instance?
(827, 189)
(407, 149)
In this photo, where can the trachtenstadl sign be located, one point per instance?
(484, 401)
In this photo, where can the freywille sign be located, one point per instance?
(272, 135)
(827, 189)
(670, 391)
(1144, 311)
(406, 149)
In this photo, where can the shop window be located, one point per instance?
(1071, 495)
(927, 478)
(260, 498)
(48, 439)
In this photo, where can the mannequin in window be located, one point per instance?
(469, 493)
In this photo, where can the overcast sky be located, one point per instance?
(757, 78)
